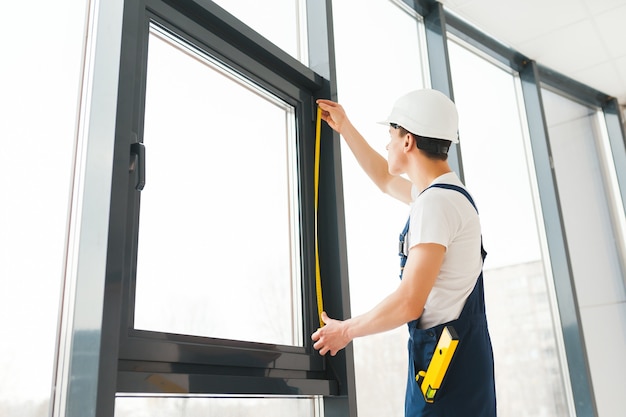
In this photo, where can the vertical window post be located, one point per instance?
(439, 63)
(332, 239)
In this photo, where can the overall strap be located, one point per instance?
(403, 245)
(455, 188)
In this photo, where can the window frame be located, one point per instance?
(156, 362)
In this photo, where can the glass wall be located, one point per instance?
(591, 222)
(219, 223)
(40, 111)
(517, 292)
(40, 89)
(371, 74)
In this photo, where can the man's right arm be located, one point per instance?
(374, 165)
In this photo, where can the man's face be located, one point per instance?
(395, 151)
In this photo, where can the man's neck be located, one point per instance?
(427, 171)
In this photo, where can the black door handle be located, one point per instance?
(138, 162)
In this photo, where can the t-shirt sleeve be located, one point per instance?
(432, 220)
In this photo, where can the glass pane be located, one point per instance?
(373, 219)
(218, 243)
(222, 407)
(517, 292)
(288, 35)
(584, 193)
(39, 110)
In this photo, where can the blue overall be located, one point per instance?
(468, 388)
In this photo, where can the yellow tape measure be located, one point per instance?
(318, 278)
(430, 381)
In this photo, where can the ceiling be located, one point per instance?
(582, 39)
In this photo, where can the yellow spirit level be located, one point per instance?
(430, 380)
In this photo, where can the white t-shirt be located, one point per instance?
(448, 218)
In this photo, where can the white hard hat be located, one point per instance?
(428, 113)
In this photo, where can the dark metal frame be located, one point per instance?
(154, 362)
(439, 63)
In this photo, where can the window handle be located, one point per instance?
(138, 161)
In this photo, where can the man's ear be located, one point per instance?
(409, 142)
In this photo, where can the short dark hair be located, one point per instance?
(433, 148)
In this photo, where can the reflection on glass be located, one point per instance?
(218, 244)
(223, 407)
(371, 74)
(529, 380)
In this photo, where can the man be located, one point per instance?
(441, 256)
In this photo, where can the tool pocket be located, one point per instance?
(430, 379)
(422, 344)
